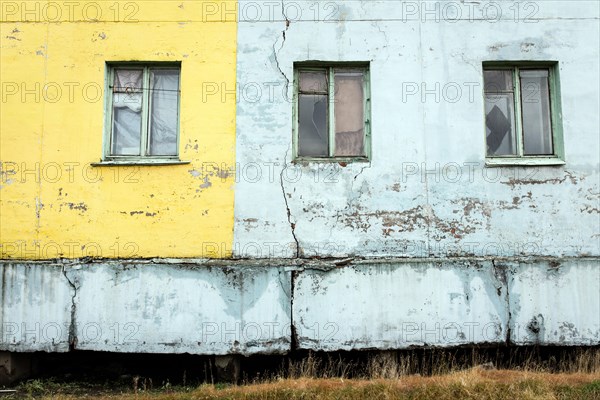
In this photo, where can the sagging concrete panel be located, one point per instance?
(36, 307)
(556, 302)
(162, 308)
(243, 307)
(399, 305)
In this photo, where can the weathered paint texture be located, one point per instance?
(556, 302)
(36, 304)
(449, 303)
(54, 203)
(250, 308)
(423, 245)
(426, 191)
(145, 308)
(397, 305)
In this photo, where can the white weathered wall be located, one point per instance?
(36, 307)
(411, 200)
(395, 305)
(245, 307)
(556, 303)
(145, 307)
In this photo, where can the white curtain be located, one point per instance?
(127, 111)
(349, 114)
(128, 94)
(164, 112)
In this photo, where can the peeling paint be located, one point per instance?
(568, 176)
(206, 183)
(74, 206)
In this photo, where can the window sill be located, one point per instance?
(148, 162)
(523, 161)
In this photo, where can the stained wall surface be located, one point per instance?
(426, 192)
(247, 251)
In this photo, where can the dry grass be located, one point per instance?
(394, 365)
(387, 375)
(473, 384)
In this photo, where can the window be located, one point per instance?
(332, 113)
(522, 114)
(143, 112)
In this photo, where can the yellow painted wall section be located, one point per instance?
(54, 203)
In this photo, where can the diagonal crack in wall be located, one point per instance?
(287, 206)
(285, 165)
(276, 52)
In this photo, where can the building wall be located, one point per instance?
(426, 191)
(54, 203)
(421, 246)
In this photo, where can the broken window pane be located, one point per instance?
(499, 113)
(500, 126)
(313, 137)
(127, 112)
(349, 114)
(535, 108)
(518, 118)
(164, 111)
(314, 82)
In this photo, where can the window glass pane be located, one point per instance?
(498, 80)
(313, 137)
(314, 82)
(500, 124)
(164, 112)
(127, 126)
(535, 108)
(127, 112)
(349, 114)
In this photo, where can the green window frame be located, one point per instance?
(143, 96)
(515, 99)
(329, 90)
